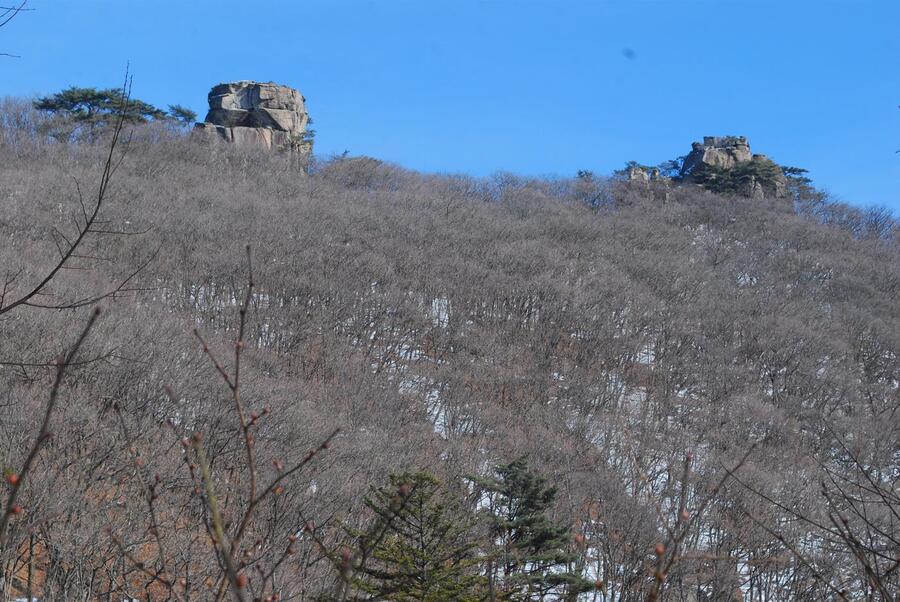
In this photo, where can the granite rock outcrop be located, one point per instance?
(723, 164)
(258, 115)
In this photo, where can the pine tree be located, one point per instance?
(739, 179)
(182, 115)
(86, 111)
(427, 554)
(529, 560)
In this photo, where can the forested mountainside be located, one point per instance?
(490, 389)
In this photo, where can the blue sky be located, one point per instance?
(536, 87)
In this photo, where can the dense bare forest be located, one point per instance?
(367, 383)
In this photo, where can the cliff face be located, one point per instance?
(254, 114)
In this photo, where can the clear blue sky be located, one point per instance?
(530, 86)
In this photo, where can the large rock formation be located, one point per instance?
(261, 115)
(722, 164)
(726, 164)
(718, 151)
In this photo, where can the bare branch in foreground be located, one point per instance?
(83, 228)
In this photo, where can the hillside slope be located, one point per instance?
(449, 323)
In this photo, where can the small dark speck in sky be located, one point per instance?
(629, 54)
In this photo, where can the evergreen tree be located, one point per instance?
(672, 168)
(182, 115)
(86, 111)
(529, 560)
(427, 553)
(738, 180)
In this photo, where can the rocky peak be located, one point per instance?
(717, 151)
(722, 164)
(726, 164)
(256, 114)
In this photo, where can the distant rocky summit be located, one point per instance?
(723, 164)
(726, 164)
(718, 151)
(258, 115)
